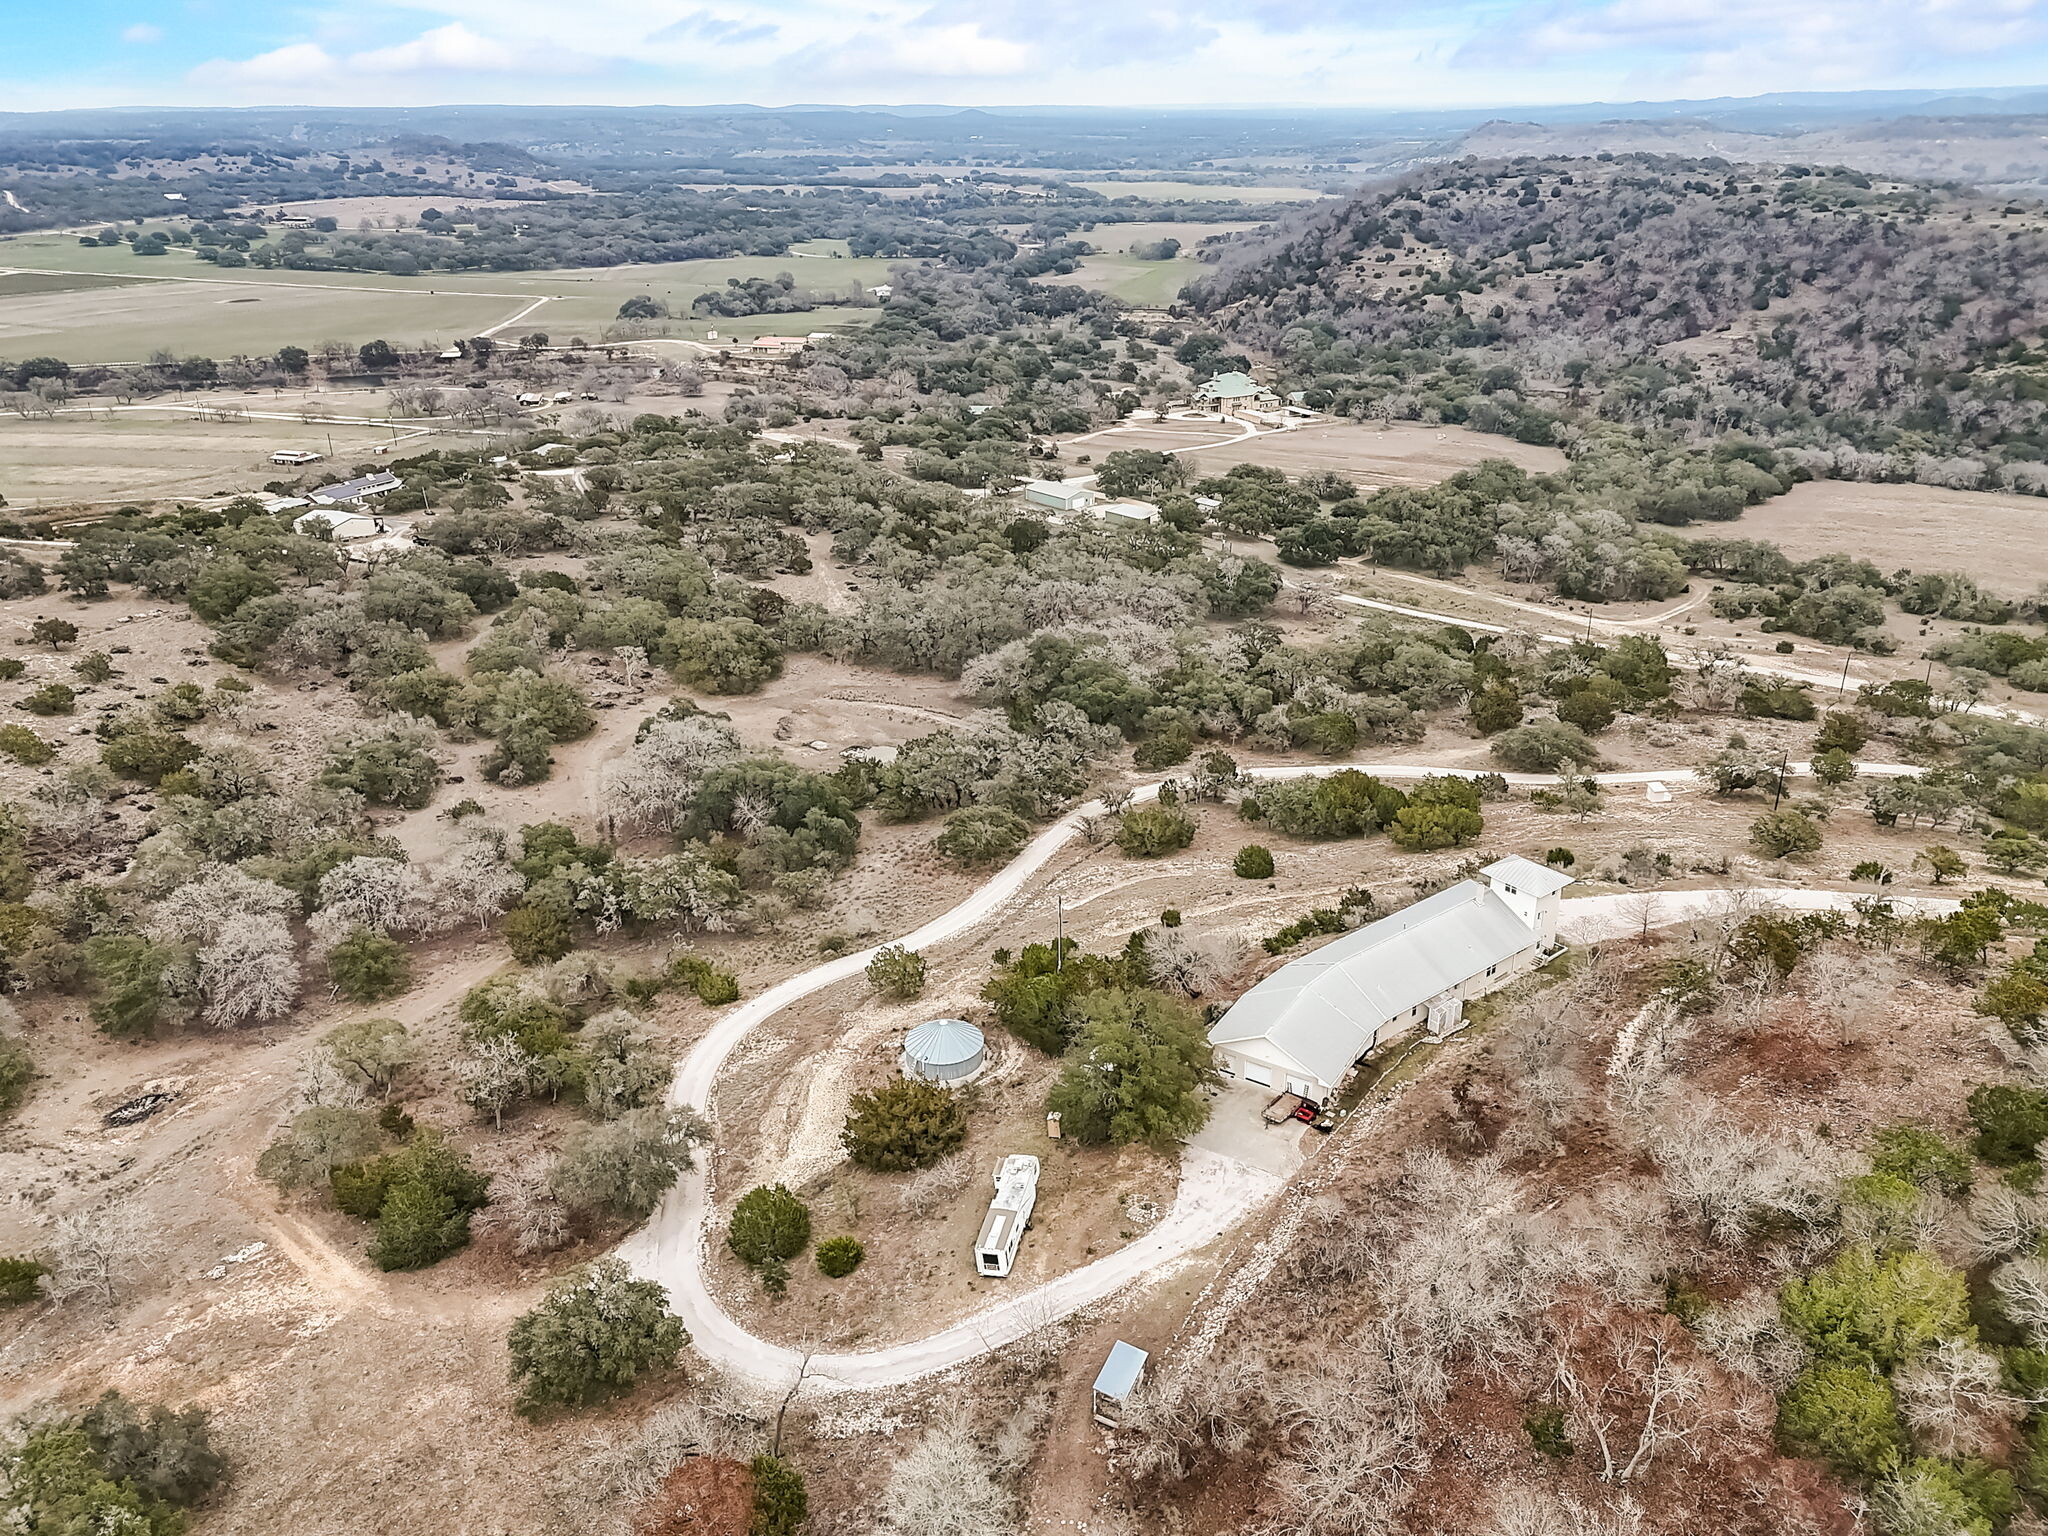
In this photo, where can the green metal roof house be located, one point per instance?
(1235, 386)
(1229, 392)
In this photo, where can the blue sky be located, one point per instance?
(1392, 53)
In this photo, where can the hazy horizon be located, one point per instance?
(1261, 54)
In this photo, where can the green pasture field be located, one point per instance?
(583, 301)
(252, 310)
(128, 322)
(1145, 283)
(16, 284)
(1148, 283)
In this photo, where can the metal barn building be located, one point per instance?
(1305, 1026)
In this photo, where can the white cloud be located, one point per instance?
(453, 47)
(1745, 46)
(971, 52)
(1362, 53)
(710, 28)
(451, 50)
(293, 64)
(963, 49)
(1071, 32)
(142, 32)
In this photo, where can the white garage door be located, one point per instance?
(1253, 1073)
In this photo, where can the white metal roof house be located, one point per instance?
(339, 523)
(1305, 1026)
(1061, 495)
(381, 484)
(995, 1250)
(363, 537)
(1128, 514)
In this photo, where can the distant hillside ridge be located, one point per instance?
(1799, 304)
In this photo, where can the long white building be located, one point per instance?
(1304, 1027)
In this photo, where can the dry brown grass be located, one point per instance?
(1999, 539)
(705, 1496)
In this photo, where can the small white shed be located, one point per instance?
(1117, 1380)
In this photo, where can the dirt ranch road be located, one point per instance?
(1653, 624)
(1649, 626)
(1215, 1193)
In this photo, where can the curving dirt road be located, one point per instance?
(1215, 1192)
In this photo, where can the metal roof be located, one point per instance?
(1526, 876)
(1121, 1370)
(368, 485)
(341, 522)
(1233, 386)
(943, 1042)
(1068, 490)
(1323, 1011)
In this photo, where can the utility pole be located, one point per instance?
(1784, 767)
(1059, 947)
(1843, 687)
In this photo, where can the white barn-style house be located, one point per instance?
(1304, 1027)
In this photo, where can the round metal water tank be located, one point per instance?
(944, 1051)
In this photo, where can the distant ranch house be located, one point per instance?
(1231, 393)
(340, 524)
(1128, 514)
(1304, 1027)
(364, 537)
(367, 488)
(1060, 495)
